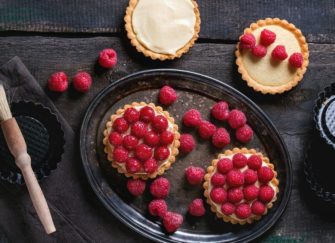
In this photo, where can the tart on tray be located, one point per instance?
(241, 185)
(141, 140)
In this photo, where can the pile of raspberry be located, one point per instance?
(242, 186)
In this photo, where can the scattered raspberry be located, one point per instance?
(206, 129)
(235, 178)
(224, 165)
(228, 208)
(267, 37)
(196, 208)
(131, 115)
(218, 179)
(265, 174)
(172, 221)
(135, 187)
(192, 118)
(250, 192)
(235, 195)
(259, 51)
(239, 160)
(187, 143)
(157, 207)
(160, 123)
(129, 142)
(166, 138)
(107, 58)
(244, 134)
(120, 125)
(162, 153)
(133, 165)
(279, 53)
(221, 138)
(160, 187)
(167, 95)
(147, 114)
(58, 82)
(194, 175)
(218, 195)
(266, 193)
(258, 208)
(82, 82)
(250, 177)
(151, 139)
(247, 41)
(115, 138)
(236, 119)
(139, 129)
(243, 211)
(143, 152)
(220, 111)
(254, 162)
(120, 154)
(150, 166)
(296, 60)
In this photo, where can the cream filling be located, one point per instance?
(266, 71)
(164, 26)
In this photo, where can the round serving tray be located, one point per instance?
(194, 91)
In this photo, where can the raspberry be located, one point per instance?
(150, 166)
(160, 123)
(265, 174)
(151, 138)
(107, 58)
(194, 175)
(218, 195)
(147, 114)
(218, 179)
(143, 152)
(82, 82)
(135, 187)
(196, 208)
(250, 192)
(279, 53)
(187, 143)
(139, 129)
(239, 160)
(129, 142)
(254, 162)
(131, 115)
(236, 119)
(58, 82)
(243, 211)
(120, 154)
(296, 60)
(267, 37)
(157, 207)
(115, 138)
(160, 188)
(224, 165)
(235, 178)
(133, 165)
(167, 95)
(192, 118)
(247, 41)
(220, 111)
(244, 134)
(259, 51)
(221, 138)
(172, 221)
(235, 195)
(258, 208)
(228, 208)
(206, 129)
(162, 153)
(166, 138)
(250, 177)
(120, 125)
(266, 193)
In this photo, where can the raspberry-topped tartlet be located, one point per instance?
(141, 140)
(241, 185)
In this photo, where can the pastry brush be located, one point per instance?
(18, 147)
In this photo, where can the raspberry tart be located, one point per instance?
(141, 140)
(272, 56)
(241, 185)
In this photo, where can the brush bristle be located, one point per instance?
(5, 112)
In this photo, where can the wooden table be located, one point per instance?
(47, 42)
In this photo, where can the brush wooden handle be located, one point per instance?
(18, 148)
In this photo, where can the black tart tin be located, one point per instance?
(44, 138)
